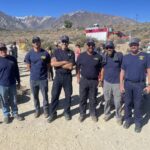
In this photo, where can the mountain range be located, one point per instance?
(78, 18)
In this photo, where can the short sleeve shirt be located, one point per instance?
(135, 66)
(38, 61)
(89, 65)
(64, 55)
(112, 68)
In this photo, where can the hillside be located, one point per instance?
(79, 19)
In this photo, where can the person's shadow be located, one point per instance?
(100, 105)
(23, 97)
(74, 101)
(146, 109)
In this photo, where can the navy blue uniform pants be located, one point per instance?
(88, 90)
(35, 87)
(133, 100)
(61, 81)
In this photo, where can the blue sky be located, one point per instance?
(134, 9)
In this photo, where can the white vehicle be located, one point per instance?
(97, 32)
(102, 33)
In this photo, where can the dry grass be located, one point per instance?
(76, 35)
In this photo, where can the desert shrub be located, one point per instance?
(68, 24)
(120, 41)
(46, 45)
(79, 39)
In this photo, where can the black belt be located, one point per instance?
(90, 78)
(135, 81)
(63, 73)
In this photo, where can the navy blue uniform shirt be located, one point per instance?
(112, 68)
(9, 72)
(135, 66)
(89, 65)
(38, 61)
(63, 55)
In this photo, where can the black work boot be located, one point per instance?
(94, 118)
(82, 118)
(67, 116)
(18, 117)
(7, 119)
(107, 117)
(126, 125)
(46, 113)
(51, 118)
(138, 128)
(37, 113)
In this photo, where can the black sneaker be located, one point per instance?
(51, 118)
(37, 113)
(67, 116)
(119, 121)
(82, 118)
(126, 125)
(46, 113)
(138, 128)
(107, 117)
(18, 117)
(7, 119)
(94, 118)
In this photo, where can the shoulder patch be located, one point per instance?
(43, 57)
(95, 58)
(141, 57)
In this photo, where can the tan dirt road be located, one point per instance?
(37, 134)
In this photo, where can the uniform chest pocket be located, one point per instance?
(35, 61)
(69, 55)
(117, 63)
(43, 58)
(141, 64)
(96, 61)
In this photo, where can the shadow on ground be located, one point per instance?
(146, 109)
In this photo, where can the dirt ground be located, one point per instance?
(37, 134)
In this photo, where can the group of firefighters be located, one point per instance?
(118, 74)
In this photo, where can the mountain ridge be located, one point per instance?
(78, 18)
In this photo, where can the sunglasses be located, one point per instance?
(36, 41)
(134, 44)
(65, 41)
(91, 44)
(110, 47)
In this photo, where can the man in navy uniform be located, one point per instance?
(135, 65)
(9, 74)
(38, 61)
(63, 60)
(112, 68)
(88, 67)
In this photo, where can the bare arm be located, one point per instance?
(78, 75)
(147, 89)
(101, 75)
(101, 78)
(148, 75)
(68, 66)
(122, 74)
(56, 63)
(28, 67)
